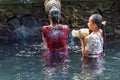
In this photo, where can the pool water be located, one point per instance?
(24, 62)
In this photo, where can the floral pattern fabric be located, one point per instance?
(94, 43)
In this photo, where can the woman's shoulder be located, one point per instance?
(64, 26)
(100, 30)
(95, 37)
(46, 26)
(91, 37)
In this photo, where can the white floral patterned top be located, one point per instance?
(94, 44)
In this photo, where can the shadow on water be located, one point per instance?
(24, 62)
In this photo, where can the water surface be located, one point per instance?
(24, 62)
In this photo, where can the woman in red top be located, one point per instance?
(55, 36)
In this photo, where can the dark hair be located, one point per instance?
(54, 13)
(97, 19)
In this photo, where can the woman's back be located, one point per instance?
(56, 37)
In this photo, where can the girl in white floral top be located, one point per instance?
(92, 47)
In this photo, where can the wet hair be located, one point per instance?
(54, 14)
(97, 19)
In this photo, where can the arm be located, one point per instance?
(67, 30)
(43, 34)
(43, 38)
(83, 44)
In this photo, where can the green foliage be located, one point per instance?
(18, 5)
(14, 7)
(19, 1)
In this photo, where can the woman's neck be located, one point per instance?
(54, 25)
(51, 23)
(95, 30)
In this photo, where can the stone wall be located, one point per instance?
(24, 21)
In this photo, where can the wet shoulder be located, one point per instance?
(47, 26)
(64, 26)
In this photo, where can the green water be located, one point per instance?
(19, 62)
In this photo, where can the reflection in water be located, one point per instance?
(92, 64)
(23, 62)
(56, 73)
(92, 67)
(55, 58)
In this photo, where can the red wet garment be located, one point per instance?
(55, 38)
(53, 58)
